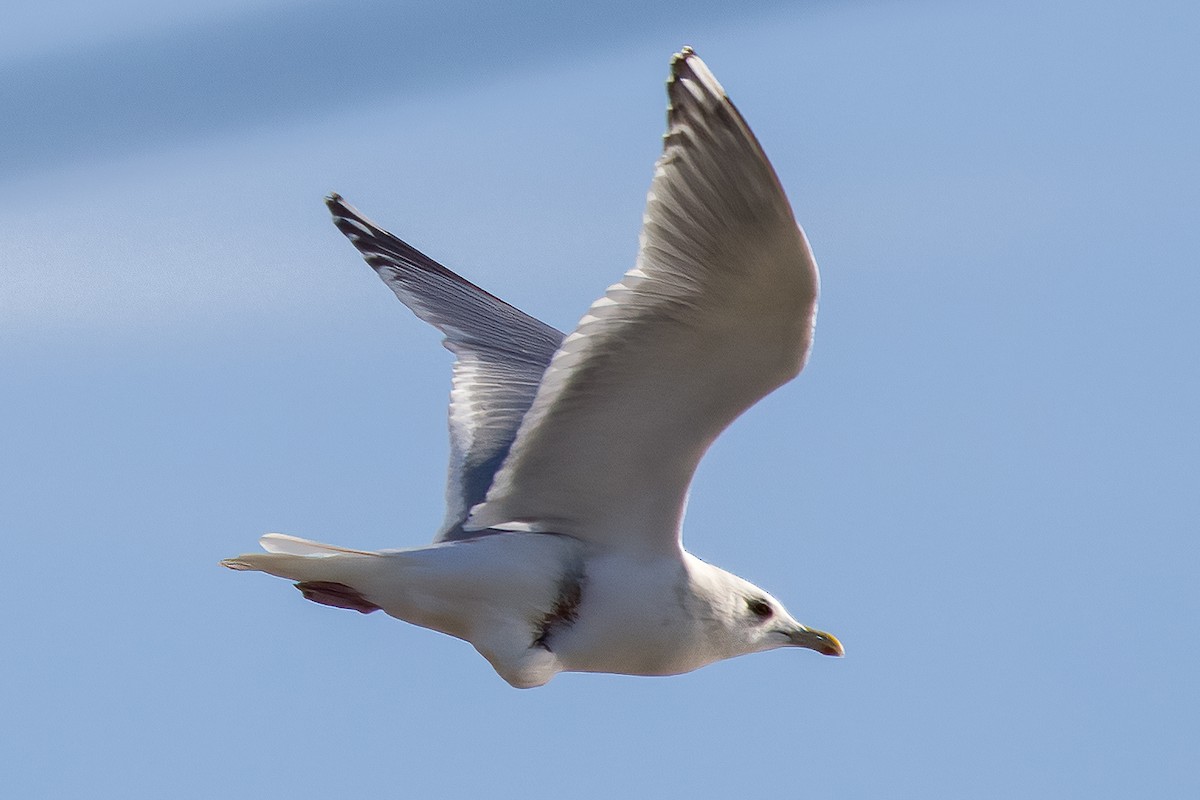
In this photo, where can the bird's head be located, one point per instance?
(747, 619)
(766, 624)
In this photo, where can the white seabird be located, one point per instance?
(571, 457)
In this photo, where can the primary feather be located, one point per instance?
(500, 355)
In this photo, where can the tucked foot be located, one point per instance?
(338, 595)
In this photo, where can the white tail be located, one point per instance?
(300, 559)
(295, 546)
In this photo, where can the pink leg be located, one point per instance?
(338, 595)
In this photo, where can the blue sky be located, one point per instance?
(986, 483)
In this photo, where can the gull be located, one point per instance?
(571, 456)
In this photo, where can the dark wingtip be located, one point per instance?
(679, 61)
(347, 219)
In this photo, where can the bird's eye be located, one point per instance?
(761, 609)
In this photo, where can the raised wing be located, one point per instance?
(501, 353)
(718, 311)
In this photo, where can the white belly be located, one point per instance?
(634, 619)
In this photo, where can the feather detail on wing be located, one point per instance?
(718, 311)
(501, 353)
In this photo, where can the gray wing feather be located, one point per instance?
(501, 353)
(718, 311)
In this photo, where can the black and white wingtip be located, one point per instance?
(385, 252)
(347, 219)
(696, 102)
(696, 99)
(687, 68)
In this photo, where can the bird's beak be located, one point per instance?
(824, 643)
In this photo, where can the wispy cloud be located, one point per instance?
(273, 64)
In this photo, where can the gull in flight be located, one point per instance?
(571, 456)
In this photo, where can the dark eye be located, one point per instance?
(761, 609)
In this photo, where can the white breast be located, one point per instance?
(637, 616)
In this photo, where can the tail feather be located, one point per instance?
(303, 560)
(295, 546)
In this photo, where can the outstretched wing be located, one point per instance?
(501, 353)
(718, 311)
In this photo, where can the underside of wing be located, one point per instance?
(501, 353)
(718, 311)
